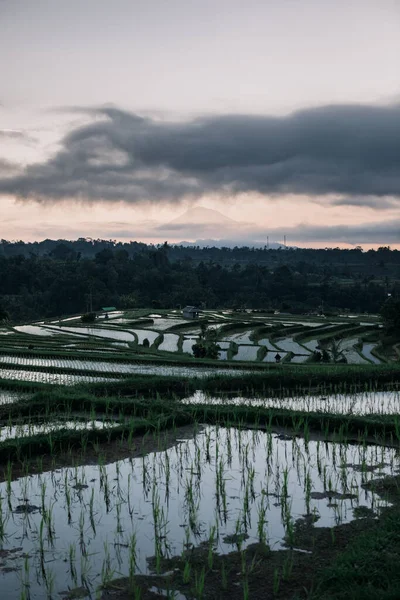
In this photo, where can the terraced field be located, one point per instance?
(162, 475)
(295, 341)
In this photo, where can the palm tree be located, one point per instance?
(335, 349)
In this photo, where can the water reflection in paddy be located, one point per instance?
(363, 403)
(76, 526)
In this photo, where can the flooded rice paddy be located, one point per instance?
(143, 334)
(270, 356)
(181, 341)
(9, 432)
(246, 353)
(8, 397)
(290, 345)
(169, 343)
(367, 350)
(239, 338)
(161, 324)
(36, 330)
(362, 403)
(188, 344)
(112, 334)
(268, 344)
(52, 378)
(83, 526)
(116, 368)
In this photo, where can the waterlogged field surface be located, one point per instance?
(169, 343)
(163, 324)
(363, 403)
(35, 330)
(354, 358)
(290, 345)
(239, 338)
(224, 345)
(188, 342)
(270, 356)
(112, 334)
(116, 368)
(53, 378)
(143, 334)
(367, 352)
(8, 397)
(69, 363)
(246, 353)
(351, 353)
(9, 432)
(269, 345)
(311, 345)
(79, 527)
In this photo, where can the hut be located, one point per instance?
(191, 312)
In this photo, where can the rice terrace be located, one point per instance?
(199, 300)
(237, 454)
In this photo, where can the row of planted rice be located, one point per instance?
(359, 403)
(239, 346)
(221, 488)
(35, 369)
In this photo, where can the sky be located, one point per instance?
(121, 119)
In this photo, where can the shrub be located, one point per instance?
(89, 317)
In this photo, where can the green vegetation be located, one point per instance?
(88, 317)
(367, 568)
(54, 278)
(390, 313)
(165, 472)
(140, 418)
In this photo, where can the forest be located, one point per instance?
(59, 277)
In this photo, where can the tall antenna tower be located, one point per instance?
(284, 240)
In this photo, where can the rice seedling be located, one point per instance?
(228, 483)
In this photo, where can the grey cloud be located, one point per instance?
(11, 133)
(8, 168)
(383, 232)
(17, 134)
(350, 151)
(374, 202)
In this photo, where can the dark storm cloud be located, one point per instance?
(8, 168)
(374, 202)
(351, 151)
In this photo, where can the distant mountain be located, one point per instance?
(213, 229)
(200, 217)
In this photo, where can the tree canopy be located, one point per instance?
(58, 277)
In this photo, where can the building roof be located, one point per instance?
(190, 309)
(108, 308)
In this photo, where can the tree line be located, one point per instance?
(65, 280)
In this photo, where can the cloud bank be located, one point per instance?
(349, 151)
(377, 232)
